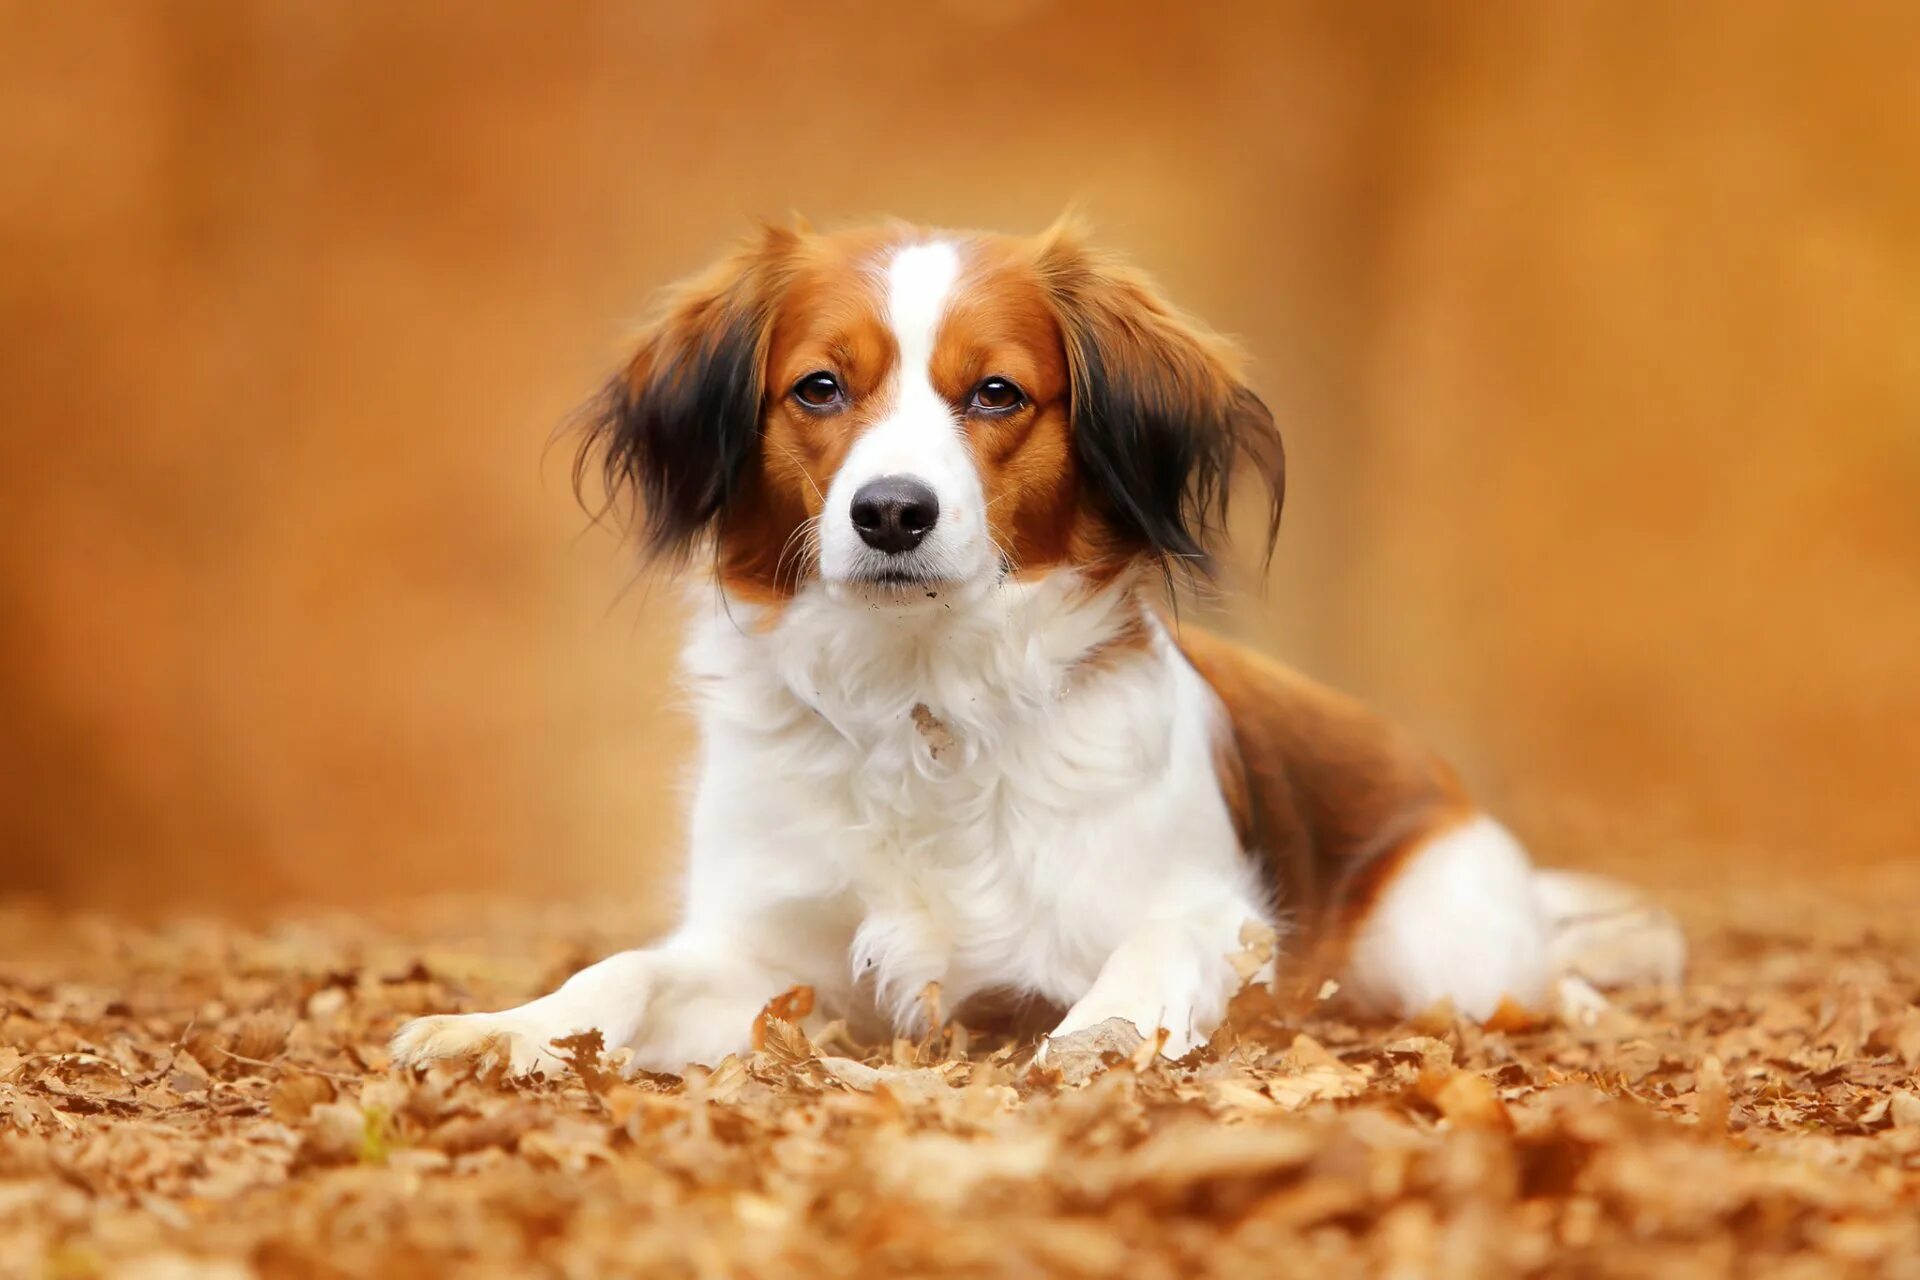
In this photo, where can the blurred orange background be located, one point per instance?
(1595, 331)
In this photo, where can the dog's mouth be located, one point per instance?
(899, 582)
(896, 585)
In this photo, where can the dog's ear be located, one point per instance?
(672, 432)
(1160, 415)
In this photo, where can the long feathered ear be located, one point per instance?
(671, 433)
(1160, 415)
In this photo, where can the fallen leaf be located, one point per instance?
(1081, 1055)
(296, 1093)
(1465, 1099)
(789, 1006)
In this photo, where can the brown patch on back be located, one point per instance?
(1329, 795)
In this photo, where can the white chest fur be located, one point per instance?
(952, 793)
(957, 794)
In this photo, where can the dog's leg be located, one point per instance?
(1174, 973)
(685, 1001)
(1458, 921)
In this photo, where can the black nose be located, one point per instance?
(893, 513)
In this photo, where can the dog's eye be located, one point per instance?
(996, 395)
(819, 391)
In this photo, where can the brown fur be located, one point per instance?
(827, 315)
(1331, 796)
(1021, 310)
(830, 315)
(1117, 458)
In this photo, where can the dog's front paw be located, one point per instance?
(495, 1040)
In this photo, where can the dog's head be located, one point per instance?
(896, 412)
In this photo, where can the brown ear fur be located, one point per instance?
(1161, 418)
(673, 431)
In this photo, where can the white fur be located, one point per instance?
(1468, 920)
(918, 435)
(926, 786)
(1060, 832)
(1459, 922)
(943, 792)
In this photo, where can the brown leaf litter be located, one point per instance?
(202, 1100)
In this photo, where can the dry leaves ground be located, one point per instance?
(196, 1099)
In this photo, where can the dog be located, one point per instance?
(951, 732)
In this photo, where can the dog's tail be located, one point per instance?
(1606, 933)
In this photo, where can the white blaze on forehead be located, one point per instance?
(919, 279)
(916, 434)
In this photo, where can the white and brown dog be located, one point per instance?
(947, 733)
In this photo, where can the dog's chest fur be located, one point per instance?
(985, 805)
